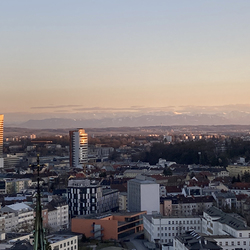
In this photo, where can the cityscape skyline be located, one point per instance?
(68, 58)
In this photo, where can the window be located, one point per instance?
(232, 243)
(244, 243)
(226, 243)
(238, 243)
(240, 234)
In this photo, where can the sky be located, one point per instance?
(71, 56)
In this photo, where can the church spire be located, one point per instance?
(39, 235)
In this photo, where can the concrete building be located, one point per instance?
(190, 240)
(108, 226)
(229, 230)
(143, 195)
(225, 199)
(78, 147)
(24, 214)
(163, 229)
(58, 215)
(185, 206)
(84, 198)
(12, 160)
(17, 185)
(63, 242)
(11, 221)
(123, 201)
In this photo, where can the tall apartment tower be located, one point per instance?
(78, 147)
(1, 136)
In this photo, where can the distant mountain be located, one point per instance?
(237, 118)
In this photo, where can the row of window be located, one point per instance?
(233, 243)
(179, 228)
(179, 222)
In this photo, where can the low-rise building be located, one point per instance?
(63, 242)
(225, 199)
(24, 214)
(17, 185)
(185, 206)
(229, 230)
(163, 229)
(190, 240)
(108, 226)
(11, 221)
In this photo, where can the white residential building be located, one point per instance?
(164, 229)
(229, 230)
(123, 201)
(63, 242)
(24, 214)
(11, 221)
(143, 195)
(58, 215)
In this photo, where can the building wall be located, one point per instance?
(109, 224)
(11, 221)
(66, 242)
(123, 202)
(150, 198)
(166, 228)
(84, 226)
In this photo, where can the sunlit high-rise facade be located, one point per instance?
(78, 147)
(1, 135)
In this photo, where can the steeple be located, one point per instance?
(39, 235)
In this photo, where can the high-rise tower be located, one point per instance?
(1, 136)
(78, 147)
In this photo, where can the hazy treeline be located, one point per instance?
(212, 152)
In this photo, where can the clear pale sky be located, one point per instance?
(123, 53)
